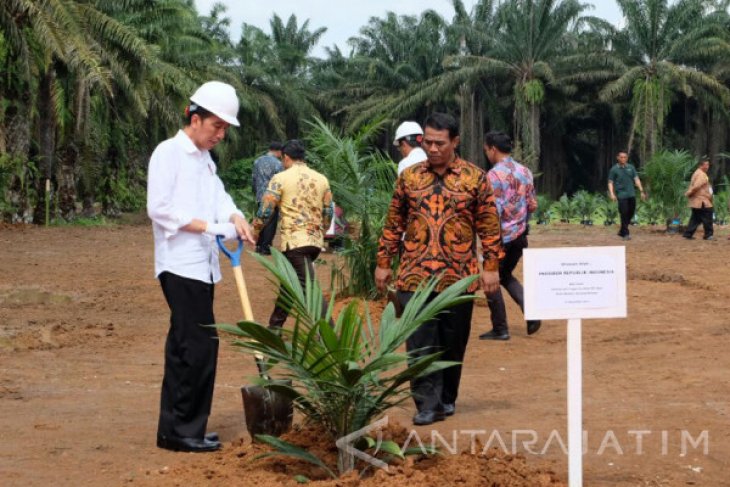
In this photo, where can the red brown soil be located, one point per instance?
(82, 329)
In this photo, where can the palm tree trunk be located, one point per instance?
(47, 141)
(66, 177)
(17, 147)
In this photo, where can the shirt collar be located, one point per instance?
(506, 160)
(188, 146)
(455, 166)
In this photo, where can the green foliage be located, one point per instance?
(236, 178)
(585, 205)
(123, 191)
(720, 202)
(565, 209)
(651, 211)
(607, 209)
(666, 176)
(543, 214)
(345, 376)
(362, 183)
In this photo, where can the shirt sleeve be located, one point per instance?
(328, 207)
(612, 176)
(494, 182)
(394, 226)
(530, 195)
(269, 202)
(254, 178)
(160, 186)
(488, 226)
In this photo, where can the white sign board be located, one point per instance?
(575, 282)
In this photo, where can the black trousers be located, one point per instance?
(268, 231)
(449, 332)
(700, 215)
(626, 208)
(191, 355)
(495, 301)
(302, 259)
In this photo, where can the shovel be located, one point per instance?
(266, 412)
(235, 258)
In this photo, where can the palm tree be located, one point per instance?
(664, 48)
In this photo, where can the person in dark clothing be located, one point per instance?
(264, 168)
(621, 181)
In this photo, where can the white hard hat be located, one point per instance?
(405, 129)
(219, 99)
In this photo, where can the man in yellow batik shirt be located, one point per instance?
(304, 200)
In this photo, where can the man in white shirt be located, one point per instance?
(188, 207)
(408, 138)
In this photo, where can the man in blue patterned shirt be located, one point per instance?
(264, 168)
(514, 194)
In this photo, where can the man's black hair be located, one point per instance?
(443, 121)
(275, 146)
(194, 109)
(413, 140)
(500, 140)
(295, 149)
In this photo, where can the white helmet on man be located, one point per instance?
(219, 99)
(405, 129)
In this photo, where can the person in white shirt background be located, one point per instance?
(408, 138)
(189, 206)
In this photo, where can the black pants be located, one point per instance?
(191, 355)
(495, 301)
(626, 208)
(700, 215)
(302, 259)
(448, 332)
(266, 236)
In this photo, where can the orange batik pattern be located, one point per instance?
(434, 222)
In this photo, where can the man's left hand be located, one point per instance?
(490, 281)
(243, 229)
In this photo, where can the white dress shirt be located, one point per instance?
(182, 185)
(416, 155)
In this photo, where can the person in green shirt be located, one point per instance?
(621, 181)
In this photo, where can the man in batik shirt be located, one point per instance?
(304, 198)
(514, 193)
(439, 208)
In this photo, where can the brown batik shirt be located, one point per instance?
(439, 219)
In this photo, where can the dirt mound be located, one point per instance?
(238, 462)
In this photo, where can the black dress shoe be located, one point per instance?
(492, 335)
(533, 326)
(187, 444)
(428, 417)
(449, 409)
(212, 436)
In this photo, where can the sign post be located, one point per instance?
(575, 283)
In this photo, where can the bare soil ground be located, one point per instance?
(83, 323)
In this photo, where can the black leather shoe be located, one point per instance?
(187, 444)
(492, 335)
(428, 417)
(449, 409)
(533, 326)
(212, 436)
